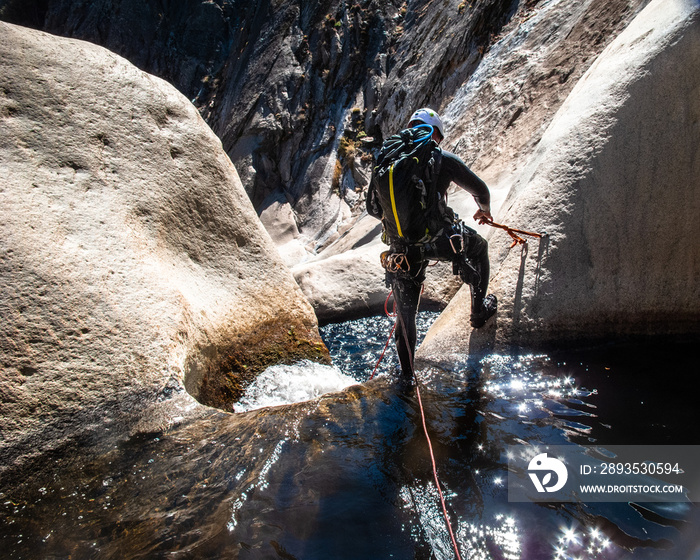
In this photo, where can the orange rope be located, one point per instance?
(435, 474)
(392, 314)
(516, 240)
(514, 233)
(430, 445)
(386, 302)
(422, 414)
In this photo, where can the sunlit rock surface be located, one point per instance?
(615, 182)
(496, 103)
(286, 86)
(301, 95)
(347, 280)
(132, 261)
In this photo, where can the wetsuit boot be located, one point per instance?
(489, 306)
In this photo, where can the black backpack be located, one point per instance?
(402, 192)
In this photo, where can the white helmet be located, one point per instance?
(428, 116)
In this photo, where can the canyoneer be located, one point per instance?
(407, 193)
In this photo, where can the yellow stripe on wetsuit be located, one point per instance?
(393, 200)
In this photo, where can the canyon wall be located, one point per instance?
(615, 182)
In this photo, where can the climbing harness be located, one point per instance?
(395, 262)
(422, 413)
(514, 233)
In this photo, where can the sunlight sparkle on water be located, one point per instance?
(578, 543)
(474, 539)
(517, 384)
(520, 381)
(423, 500)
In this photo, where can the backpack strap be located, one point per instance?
(393, 200)
(374, 209)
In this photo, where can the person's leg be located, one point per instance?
(469, 253)
(407, 295)
(474, 266)
(474, 269)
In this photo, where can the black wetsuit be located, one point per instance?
(457, 243)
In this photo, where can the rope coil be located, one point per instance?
(395, 262)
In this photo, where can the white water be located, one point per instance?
(284, 384)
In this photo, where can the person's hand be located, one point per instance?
(483, 217)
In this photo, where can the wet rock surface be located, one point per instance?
(301, 96)
(130, 269)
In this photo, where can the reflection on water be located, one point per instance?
(347, 475)
(357, 345)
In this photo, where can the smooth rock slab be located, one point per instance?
(131, 260)
(615, 181)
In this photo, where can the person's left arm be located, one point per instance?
(455, 170)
